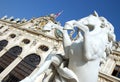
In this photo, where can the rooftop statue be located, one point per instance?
(93, 44)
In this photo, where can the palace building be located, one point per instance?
(24, 47)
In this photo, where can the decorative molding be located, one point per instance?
(109, 78)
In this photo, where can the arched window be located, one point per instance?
(10, 56)
(32, 59)
(15, 51)
(3, 43)
(24, 68)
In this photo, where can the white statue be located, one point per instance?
(94, 42)
(85, 56)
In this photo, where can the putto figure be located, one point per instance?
(93, 44)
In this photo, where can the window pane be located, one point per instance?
(3, 43)
(116, 71)
(24, 68)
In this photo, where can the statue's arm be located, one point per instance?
(51, 59)
(42, 69)
(67, 74)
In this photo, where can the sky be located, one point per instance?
(72, 9)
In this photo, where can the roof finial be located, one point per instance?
(95, 14)
(4, 17)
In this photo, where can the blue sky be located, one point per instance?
(73, 9)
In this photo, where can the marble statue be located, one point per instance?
(93, 44)
(98, 35)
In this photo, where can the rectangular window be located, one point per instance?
(116, 71)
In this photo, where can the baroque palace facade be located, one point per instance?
(24, 47)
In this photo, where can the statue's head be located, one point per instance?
(92, 21)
